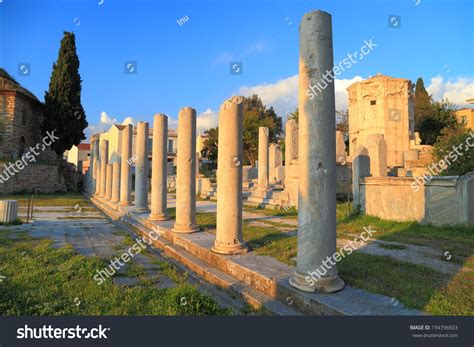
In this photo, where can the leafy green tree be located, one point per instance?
(442, 116)
(257, 115)
(64, 113)
(422, 104)
(209, 150)
(295, 115)
(342, 121)
(454, 151)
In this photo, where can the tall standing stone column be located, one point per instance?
(104, 160)
(263, 137)
(229, 238)
(360, 169)
(159, 171)
(198, 164)
(141, 168)
(317, 167)
(90, 171)
(186, 175)
(115, 183)
(125, 166)
(108, 184)
(97, 168)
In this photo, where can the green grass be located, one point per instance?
(205, 220)
(458, 240)
(268, 241)
(280, 212)
(391, 247)
(66, 199)
(15, 222)
(40, 280)
(415, 286)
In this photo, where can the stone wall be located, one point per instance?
(40, 178)
(442, 201)
(343, 182)
(20, 124)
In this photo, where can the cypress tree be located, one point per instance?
(422, 104)
(64, 113)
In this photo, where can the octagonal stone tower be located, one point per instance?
(382, 105)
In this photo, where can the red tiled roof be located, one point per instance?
(84, 146)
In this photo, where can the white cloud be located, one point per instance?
(227, 57)
(105, 123)
(223, 58)
(340, 89)
(283, 94)
(457, 90)
(206, 120)
(172, 123)
(129, 120)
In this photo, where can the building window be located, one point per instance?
(373, 102)
(170, 146)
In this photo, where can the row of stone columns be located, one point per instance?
(317, 167)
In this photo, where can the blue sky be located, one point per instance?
(188, 64)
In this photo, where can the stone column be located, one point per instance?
(262, 159)
(89, 175)
(115, 183)
(360, 168)
(317, 167)
(125, 166)
(93, 161)
(229, 192)
(340, 148)
(274, 163)
(104, 160)
(159, 171)
(291, 162)
(97, 169)
(186, 175)
(108, 184)
(141, 168)
(197, 163)
(377, 148)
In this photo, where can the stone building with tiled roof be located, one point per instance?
(21, 114)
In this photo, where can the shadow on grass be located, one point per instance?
(416, 286)
(205, 220)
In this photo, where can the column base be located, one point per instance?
(185, 229)
(323, 285)
(158, 217)
(125, 203)
(141, 210)
(238, 248)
